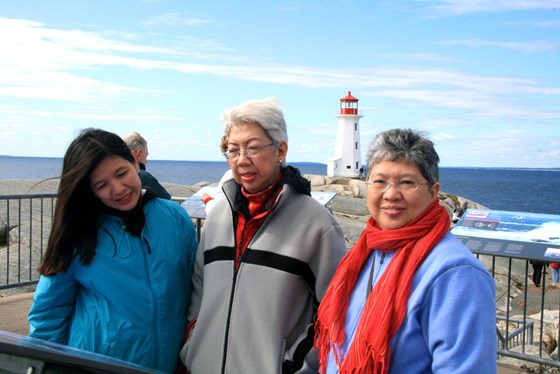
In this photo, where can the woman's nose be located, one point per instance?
(116, 186)
(242, 158)
(392, 193)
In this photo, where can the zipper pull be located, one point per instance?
(148, 244)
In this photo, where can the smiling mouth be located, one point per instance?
(392, 210)
(125, 199)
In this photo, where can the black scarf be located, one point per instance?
(134, 219)
(290, 175)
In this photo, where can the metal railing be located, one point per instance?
(520, 335)
(25, 223)
(525, 315)
(524, 328)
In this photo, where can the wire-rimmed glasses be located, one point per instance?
(382, 185)
(250, 152)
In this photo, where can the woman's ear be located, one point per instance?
(435, 190)
(282, 150)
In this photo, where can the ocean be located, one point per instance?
(516, 190)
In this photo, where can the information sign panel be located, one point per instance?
(511, 234)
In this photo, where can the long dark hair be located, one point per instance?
(77, 211)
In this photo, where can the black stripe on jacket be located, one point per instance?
(282, 263)
(269, 259)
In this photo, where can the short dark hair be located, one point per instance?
(406, 145)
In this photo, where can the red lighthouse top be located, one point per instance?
(349, 105)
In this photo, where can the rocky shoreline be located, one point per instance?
(348, 207)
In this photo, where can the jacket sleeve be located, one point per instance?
(53, 307)
(197, 283)
(196, 298)
(461, 330)
(190, 247)
(329, 249)
(149, 181)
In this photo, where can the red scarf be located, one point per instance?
(385, 308)
(258, 205)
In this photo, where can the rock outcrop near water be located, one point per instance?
(349, 203)
(348, 206)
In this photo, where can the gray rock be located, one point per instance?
(349, 204)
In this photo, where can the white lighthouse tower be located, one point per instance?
(347, 155)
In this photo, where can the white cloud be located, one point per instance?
(442, 136)
(430, 57)
(53, 58)
(531, 46)
(71, 67)
(175, 19)
(455, 7)
(547, 24)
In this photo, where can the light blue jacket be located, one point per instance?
(450, 322)
(131, 301)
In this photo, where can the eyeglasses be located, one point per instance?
(250, 152)
(382, 185)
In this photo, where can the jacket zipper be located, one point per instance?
(382, 258)
(371, 273)
(231, 296)
(226, 337)
(234, 280)
(155, 328)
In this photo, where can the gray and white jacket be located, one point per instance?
(260, 319)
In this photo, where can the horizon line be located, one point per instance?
(324, 164)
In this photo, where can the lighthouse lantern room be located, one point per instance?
(347, 156)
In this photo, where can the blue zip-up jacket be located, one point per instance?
(131, 301)
(450, 322)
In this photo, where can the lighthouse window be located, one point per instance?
(356, 145)
(355, 127)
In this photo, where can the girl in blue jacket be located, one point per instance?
(116, 275)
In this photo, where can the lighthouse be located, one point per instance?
(347, 160)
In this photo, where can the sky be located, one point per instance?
(480, 77)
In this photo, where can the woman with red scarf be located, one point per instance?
(408, 297)
(267, 253)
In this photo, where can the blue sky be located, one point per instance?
(481, 77)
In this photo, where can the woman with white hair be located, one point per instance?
(266, 255)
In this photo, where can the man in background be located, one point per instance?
(537, 272)
(139, 148)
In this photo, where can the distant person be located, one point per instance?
(206, 198)
(266, 255)
(116, 274)
(555, 276)
(408, 297)
(139, 147)
(457, 213)
(537, 272)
